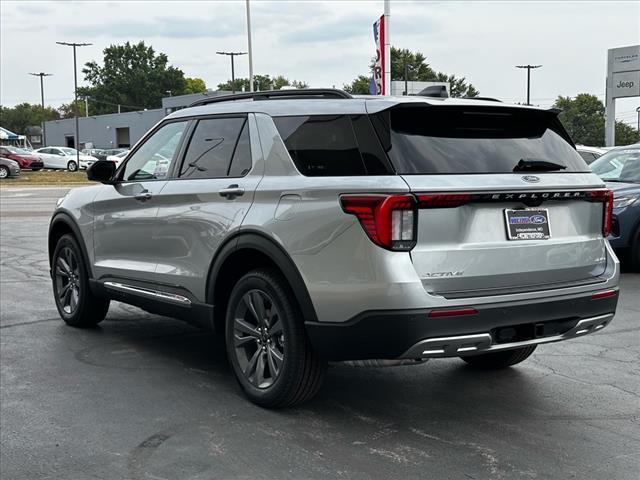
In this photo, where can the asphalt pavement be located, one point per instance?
(148, 397)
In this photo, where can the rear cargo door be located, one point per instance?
(505, 202)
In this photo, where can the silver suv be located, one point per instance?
(311, 226)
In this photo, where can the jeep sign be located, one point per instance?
(626, 84)
(623, 80)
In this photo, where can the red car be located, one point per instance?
(25, 158)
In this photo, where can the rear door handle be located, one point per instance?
(231, 192)
(143, 196)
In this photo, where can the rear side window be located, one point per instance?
(450, 140)
(333, 145)
(587, 156)
(212, 147)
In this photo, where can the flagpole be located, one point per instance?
(387, 47)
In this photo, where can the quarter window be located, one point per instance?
(333, 145)
(154, 158)
(218, 148)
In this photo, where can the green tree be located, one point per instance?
(18, 118)
(262, 82)
(131, 75)
(194, 85)
(583, 117)
(359, 86)
(73, 108)
(417, 69)
(626, 134)
(414, 66)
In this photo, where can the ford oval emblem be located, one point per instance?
(538, 219)
(530, 179)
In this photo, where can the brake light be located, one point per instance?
(443, 200)
(606, 197)
(390, 221)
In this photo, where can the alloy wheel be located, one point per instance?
(4, 173)
(67, 275)
(258, 338)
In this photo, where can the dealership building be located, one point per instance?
(116, 130)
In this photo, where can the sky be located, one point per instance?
(326, 43)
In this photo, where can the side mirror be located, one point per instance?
(102, 171)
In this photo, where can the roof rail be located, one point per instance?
(299, 93)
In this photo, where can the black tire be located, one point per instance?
(301, 371)
(72, 166)
(498, 360)
(76, 303)
(4, 172)
(634, 253)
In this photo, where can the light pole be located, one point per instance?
(233, 73)
(638, 112)
(75, 93)
(249, 47)
(528, 67)
(42, 75)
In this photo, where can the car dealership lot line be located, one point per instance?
(149, 397)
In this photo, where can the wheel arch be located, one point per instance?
(61, 224)
(244, 252)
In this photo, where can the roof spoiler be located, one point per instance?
(434, 91)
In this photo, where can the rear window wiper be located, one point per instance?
(530, 164)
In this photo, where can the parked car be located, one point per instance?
(590, 154)
(8, 168)
(95, 152)
(620, 168)
(115, 151)
(118, 158)
(26, 159)
(64, 158)
(323, 227)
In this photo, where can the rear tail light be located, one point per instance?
(390, 221)
(606, 197)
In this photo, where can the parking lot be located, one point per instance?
(148, 397)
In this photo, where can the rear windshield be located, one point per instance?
(433, 140)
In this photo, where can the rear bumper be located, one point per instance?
(497, 326)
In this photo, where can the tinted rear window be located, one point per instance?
(333, 145)
(432, 140)
(212, 147)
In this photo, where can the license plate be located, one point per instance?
(527, 224)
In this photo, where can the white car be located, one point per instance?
(118, 158)
(64, 158)
(590, 154)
